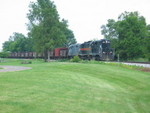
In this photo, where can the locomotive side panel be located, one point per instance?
(73, 50)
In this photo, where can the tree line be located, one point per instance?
(129, 35)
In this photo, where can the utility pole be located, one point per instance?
(118, 58)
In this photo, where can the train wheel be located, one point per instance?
(97, 58)
(93, 58)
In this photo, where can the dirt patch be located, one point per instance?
(146, 69)
(13, 68)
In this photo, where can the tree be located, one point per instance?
(146, 44)
(127, 34)
(45, 28)
(70, 39)
(4, 55)
(6, 46)
(109, 30)
(18, 43)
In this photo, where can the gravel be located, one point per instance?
(137, 64)
(13, 68)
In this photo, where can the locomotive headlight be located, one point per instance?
(103, 52)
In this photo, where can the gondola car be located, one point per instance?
(60, 53)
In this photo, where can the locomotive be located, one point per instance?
(96, 50)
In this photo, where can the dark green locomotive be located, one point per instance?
(96, 50)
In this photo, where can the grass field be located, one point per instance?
(63, 87)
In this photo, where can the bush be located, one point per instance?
(26, 62)
(62, 60)
(75, 59)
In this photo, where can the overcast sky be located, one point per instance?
(85, 17)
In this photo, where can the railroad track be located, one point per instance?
(137, 62)
(141, 64)
(129, 62)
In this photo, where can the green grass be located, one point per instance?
(63, 87)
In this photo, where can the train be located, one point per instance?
(91, 50)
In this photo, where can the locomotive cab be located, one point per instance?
(96, 50)
(73, 50)
(101, 50)
(106, 52)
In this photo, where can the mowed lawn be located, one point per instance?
(63, 87)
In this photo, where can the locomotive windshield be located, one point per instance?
(105, 44)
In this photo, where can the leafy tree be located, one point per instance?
(4, 55)
(109, 30)
(70, 39)
(146, 44)
(18, 43)
(127, 34)
(6, 46)
(45, 28)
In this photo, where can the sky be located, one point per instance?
(85, 17)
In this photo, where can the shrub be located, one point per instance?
(75, 59)
(26, 62)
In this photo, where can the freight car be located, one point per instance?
(96, 50)
(60, 53)
(57, 53)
